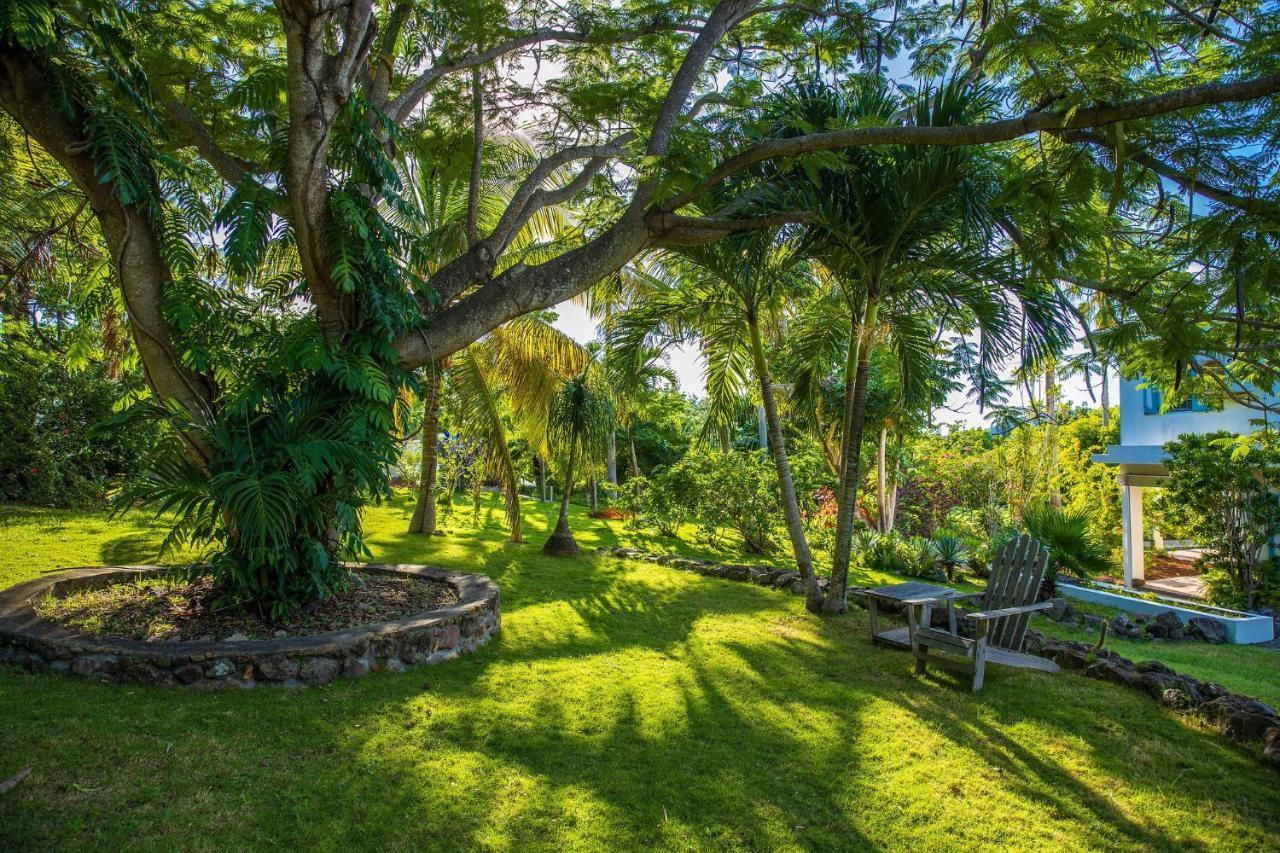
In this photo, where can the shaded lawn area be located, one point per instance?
(623, 705)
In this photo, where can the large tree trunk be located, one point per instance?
(850, 455)
(611, 456)
(424, 514)
(790, 504)
(561, 543)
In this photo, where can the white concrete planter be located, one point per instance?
(1242, 628)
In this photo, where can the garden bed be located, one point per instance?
(1241, 628)
(322, 646)
(169, 608)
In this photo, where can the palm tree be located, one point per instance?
(578, 419)
(907, 234)
(732, 297)
(511, 375)
(447, 208)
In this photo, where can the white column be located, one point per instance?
(1131, 519)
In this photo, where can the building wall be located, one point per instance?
(1137, 427)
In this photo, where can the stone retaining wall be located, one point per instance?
(28, 640)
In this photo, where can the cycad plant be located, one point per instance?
(579, 418)
(951, 554)
(1072, 547)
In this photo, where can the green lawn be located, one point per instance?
(623, 705)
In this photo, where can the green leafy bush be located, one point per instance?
(1222, 489)
(52, 450)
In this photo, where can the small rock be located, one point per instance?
(1176, 699)
(280, 633)
(1245, 726)
(219, 668)
(318, 670)
(237, 637)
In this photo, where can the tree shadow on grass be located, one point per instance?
(131, 549)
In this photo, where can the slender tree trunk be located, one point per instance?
(631, 440)
(882, 497)
(725, 443)
(850, 453)
(593, 501)
(762, 428)
(1106, 396)
(790, 504)
(540, 472)
(611, 456)
(511, 494)
(1051, 421)
(424, 513)
(561, 542)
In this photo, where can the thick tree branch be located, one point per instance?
(670, 229)
(319, 84)
(982, 134)
(135, 247)
(230, 169)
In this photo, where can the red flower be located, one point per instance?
(35, 470)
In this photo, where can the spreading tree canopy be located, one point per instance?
(245, 165)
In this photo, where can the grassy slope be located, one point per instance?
(623, 705)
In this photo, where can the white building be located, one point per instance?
(1144, 430)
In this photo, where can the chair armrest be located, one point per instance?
(1008, 611)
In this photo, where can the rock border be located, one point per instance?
(1239, 718)
(30, 641)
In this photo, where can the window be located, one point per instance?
(1152, 398)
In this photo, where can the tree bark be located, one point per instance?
(631, 442)
(561, 542)
(725, 443)
(882, 500)
(790, 503)
(611, 456)
(850, 456)
(762, 428)
(1050, 425)
(424, 514)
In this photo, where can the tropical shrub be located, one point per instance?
(1222, 489)
(53, 449)
(1072, 546)
(951, 554)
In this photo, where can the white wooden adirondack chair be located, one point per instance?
(999, 627)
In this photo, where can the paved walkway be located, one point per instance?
(1186, 586)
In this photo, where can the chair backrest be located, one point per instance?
(1016, 575)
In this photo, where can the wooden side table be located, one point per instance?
(900, 638)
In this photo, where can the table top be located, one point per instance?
(912, 589)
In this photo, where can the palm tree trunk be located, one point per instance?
(1051, 420)
(424, 513)
(725, 444)
(850, 452)
(631, 440)
(561, 542)
(790, 504)
(540, 469)
(611, 456)
(593, 500)
(762, 428)
(511, 493)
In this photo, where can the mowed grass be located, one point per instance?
(624, 705)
